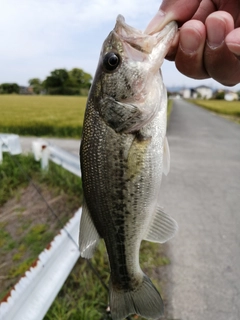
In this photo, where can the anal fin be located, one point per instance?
(88, 237)
(162, 227)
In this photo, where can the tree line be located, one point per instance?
(59, 82)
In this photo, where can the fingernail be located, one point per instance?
(232, 40)
(234, 48)
(215, 36)
(190, 44)
(156, 24)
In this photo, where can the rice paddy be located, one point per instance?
(56, 116)
(230, 108)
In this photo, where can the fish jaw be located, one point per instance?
(142, 46)
(137, 48)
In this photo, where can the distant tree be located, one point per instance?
(58, 82)
(8, 88)
(65, 82)
(36, 84)
(80, 78)
(57, 78)
(220, 95)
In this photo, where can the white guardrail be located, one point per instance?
(44, 151)
(33, 295)
(9, 143)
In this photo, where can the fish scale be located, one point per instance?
(123, 155)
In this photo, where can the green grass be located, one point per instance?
(169, 109)
(36, 236)
(6, 241)
(11, 175)
(19, 269)
(58, 116)
(14, 172)
(230, 108)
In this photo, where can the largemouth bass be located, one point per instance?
(123, 154)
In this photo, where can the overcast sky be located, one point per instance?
(38, 36)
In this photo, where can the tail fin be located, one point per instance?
(145, 301)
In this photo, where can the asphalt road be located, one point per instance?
(202, 192)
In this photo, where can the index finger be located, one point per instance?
(178, 10)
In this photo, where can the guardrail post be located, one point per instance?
(41, 153)
(45, 157)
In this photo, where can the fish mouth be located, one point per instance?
(140, 46)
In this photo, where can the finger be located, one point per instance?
(220, 63)
(205, 8)
(189, 57)
(172, 51)
(232, 41)
(178, 10)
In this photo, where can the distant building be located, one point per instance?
(201, 92)
(230, 96)
(186, 93)
(189, 93)
(204, 92)
(25, 90)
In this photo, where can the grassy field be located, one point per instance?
(57, 116)
(231, 108)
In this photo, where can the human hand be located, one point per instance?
(208, 41)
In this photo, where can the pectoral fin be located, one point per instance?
(162, 228)
(89, 236)
(166, 157)
(119, 116)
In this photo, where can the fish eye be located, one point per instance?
(111, 61)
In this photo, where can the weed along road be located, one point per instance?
(202, 192)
